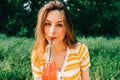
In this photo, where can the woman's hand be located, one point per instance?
(85, 74)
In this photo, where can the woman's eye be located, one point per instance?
(59, 25)
(47, 24)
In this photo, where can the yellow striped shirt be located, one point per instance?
(76, 60)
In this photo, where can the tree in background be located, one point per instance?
(18, 17)
(96, 17)
(90, 17)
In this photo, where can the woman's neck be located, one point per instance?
(59, 48)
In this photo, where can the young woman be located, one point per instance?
(71, 57)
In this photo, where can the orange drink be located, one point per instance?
(49, 71)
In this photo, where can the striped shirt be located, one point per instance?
(76, 60)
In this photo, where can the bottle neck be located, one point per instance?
(49, 51)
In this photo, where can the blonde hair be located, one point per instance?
(41, 42)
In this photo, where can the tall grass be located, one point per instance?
(105, 57)
(15, 58)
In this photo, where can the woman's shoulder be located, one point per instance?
(79, 44)
(81, 47)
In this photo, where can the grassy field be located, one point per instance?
(15, 57)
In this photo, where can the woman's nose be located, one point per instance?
(52, 30)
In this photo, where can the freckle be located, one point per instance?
(61, 78)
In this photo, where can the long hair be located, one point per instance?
(40, 41)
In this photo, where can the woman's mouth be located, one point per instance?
(52, 38)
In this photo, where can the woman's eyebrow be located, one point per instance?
(51, 21)
(59, 21)
(47, 21)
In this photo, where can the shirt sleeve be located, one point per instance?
(37, 72)
(84, 57)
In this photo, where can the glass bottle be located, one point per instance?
(49, 69)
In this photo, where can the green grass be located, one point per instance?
(105, 57)
(15, 57)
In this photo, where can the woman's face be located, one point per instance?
(54, 27)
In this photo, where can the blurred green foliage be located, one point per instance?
(90, 17)
(15, 57)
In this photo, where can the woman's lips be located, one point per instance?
(52, 37)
